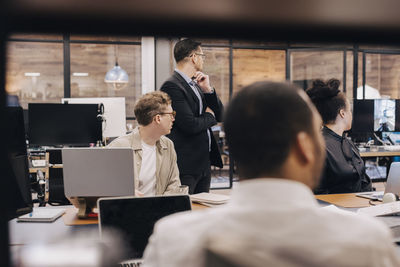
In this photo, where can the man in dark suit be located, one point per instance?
(197, 108)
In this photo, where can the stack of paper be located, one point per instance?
(209, 199)
(42, 215)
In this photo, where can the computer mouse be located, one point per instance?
(389, 197)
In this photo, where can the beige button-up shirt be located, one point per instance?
(167, 173)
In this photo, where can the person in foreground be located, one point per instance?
(154, 154)
(198, 108)
(272, 219)
(344, 170)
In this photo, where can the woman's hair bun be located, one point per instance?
(333, 84)
(318, 84)
(322, 91)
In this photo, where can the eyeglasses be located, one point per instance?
(200, 54)
(173, 113)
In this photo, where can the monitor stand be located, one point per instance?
(86, 206)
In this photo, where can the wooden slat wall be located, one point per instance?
(47, 59)
(251, 65)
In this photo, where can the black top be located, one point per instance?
(344, 170)
(189, 131)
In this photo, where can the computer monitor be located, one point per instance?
(16, 176)
(384, 115)
(64, 124)
(114, 117)
(363, 116)
(15, 131)
(376, 115)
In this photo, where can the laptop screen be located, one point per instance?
(134, 217)
(98, 172)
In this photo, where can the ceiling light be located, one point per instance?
(80, 74)
(117, 77)
(32, 74)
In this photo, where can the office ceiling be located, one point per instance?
(313, 20)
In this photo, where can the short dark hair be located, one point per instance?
(261, 124)
(184, 48)
(150, 105)
(327, 98)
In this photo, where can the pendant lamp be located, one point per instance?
(116, 77)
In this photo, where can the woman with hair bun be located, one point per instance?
(344, 169)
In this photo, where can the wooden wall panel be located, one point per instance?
(216, 65)
(251, 65)
(311, 65)
(47, 59)
(96, 60)
(383, 73)
(43, 58)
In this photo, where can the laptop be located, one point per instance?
(134, 219)
(392, 184)
(98, 172)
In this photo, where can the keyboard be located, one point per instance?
(392, 148)
(131, 263)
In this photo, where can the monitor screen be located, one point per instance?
(16, 177)
(134, 218)
(15, 131)
(363, 116)
(64, 124)
(384, 115)
(114, 117)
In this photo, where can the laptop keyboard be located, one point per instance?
(133, 263)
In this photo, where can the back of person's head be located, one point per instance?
(327, 98)
(150, 105)
(184, 48)
(261, 124)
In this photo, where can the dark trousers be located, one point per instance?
(197, 182)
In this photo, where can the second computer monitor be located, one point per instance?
(114, 117)
(64, 124)
(376, 115)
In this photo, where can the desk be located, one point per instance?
(345, 200)
(23, 233)
(379, 153)
(29, 233)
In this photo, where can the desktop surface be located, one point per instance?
(22, 233)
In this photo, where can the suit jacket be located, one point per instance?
(189, 132)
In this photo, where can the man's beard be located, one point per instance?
(320, 153)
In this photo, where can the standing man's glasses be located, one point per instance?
(200, 54)
(173, 113)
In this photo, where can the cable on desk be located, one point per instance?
(371, 202)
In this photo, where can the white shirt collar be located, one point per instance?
(272, 191)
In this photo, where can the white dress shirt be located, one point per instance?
(272, 222)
